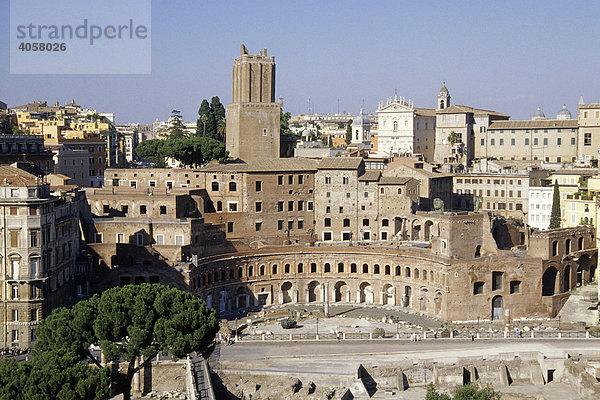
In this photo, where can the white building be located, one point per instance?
(540, 206)
(404, 129)
(361, 131)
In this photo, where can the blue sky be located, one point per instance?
(509, 56)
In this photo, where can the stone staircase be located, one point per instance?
(582, 305)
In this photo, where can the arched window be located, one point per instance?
(286, 269)
(313, 267)
(398, 270)
(388, 270)
(353, 268)
(567, 246)
(416, 273)
(365, 268)
(376, 268)
(219, 205)
(580, 243)
(274, 269)
(300, 268)
(250, 270)
(554, 248)
(395, 126)
(230, 274)
(240, 272)
(327, 267)
(340, 267)
(262, 269)
(215, 186)
(424, 274)
(232, 186)
(407, 272)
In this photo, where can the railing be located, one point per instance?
(416, 336)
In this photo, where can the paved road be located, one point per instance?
(343, 357)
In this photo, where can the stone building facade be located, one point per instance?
(40, 245)
(253, 115)
(462, 275)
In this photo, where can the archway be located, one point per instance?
(497, 309)
(580, 277)
(549, 281)
(427, 234)
(407, 301)
(388, 295)
(437, 300)
(342, 292)
(366, 293)
(416, 230)
(313, 292)
(286, 292)
(567, 278)
(242, 298)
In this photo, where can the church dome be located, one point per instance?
(362, 120)
(538, 114)
(444, 90)
(564, 113)
(306, 133)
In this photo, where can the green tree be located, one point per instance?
(349, 132)
(555, 214)
(204, 110)
(150, 150)
(222, 128)
(53, 375)
(284, 123)
(217, 109)
(453, 138)
(129, 322)
(470, 391)
(176, 128)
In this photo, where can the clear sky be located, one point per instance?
(509, 56)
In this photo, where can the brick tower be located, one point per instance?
(253, 116)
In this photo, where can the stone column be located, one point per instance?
(326, 300)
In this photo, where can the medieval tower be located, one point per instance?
(253, 115)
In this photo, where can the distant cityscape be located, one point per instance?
(454, 214)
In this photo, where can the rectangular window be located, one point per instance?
(257, 226)
(258, 186)
(497, 280)
(300, 179)
(492, 141)
(179, 240)
(120, 238)
(501, 142)
(526, 141)
(139, 239)
(300, 205)
(558, 141)
(291, 180)
(163, 210)
(280, 180)
(258, 206)
(572, 141)
(232, 206)
(535, 141)
(33, 238)
(98, 238)
(512, 141)
(124, 209)
(152, 183)
(160, 239)
(280, 206)
(587, 139)
(230, 227)
(142, 210)
(290, 225)
(515, 287)
(280, 225)
(483, 142)
(545, 141)
(310, 206)
(290, 206)
(327, 222)
(327, 236)
(14, 211)
(14, 238)
(300, 224)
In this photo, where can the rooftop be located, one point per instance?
(340, 163)
(264, 165)
(12, 176)
(458, 109)
(534, 124)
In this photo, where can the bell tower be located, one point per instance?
(253, 117)
(443, 98)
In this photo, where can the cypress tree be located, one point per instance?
(555, 216)
(349, 132)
